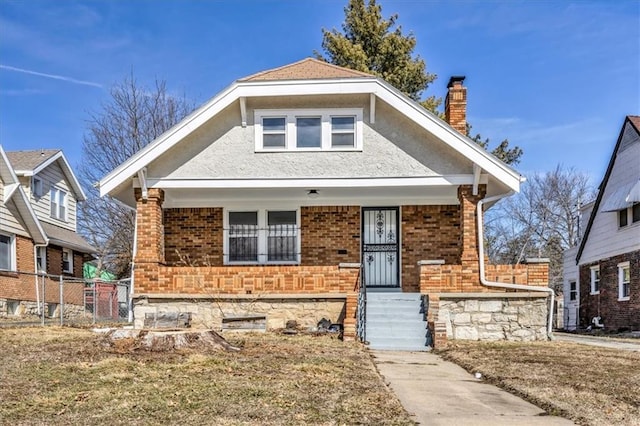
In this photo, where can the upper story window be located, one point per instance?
(635, 213)
(308, 130)
(36, 187)
(624, 281)
(595, 279)
(58, 204)
(573, 290)
(623, 219)
(7, 253)
(629, 215)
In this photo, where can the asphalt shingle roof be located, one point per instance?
(306, 69)
(29, 160)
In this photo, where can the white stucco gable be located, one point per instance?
(402, 140)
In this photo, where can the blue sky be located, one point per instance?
(554, 77)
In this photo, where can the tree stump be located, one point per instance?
(167, 340)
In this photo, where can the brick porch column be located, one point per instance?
(469, 236)
(150, 240)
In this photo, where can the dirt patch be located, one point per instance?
(590, 385)
(71, 377)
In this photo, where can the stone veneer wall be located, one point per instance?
(522, 318)
(209, 312)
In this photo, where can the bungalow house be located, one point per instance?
(310, 191)
(38, 198)
(602, 275)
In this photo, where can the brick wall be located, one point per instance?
(428, 232)
(451, 278)
(615, 314)
(330, 235)
(196, 234)
(249, 279)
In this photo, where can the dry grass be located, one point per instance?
(69, 376)
(590, 385)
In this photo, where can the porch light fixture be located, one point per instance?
(313, 193)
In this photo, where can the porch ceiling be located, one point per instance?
(263, 197)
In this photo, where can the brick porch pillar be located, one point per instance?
(469, 236)
(149, 240)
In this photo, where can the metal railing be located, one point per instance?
(32, 298)
(361, 314)
(275, 243)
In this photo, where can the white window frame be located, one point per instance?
(70, 260)
(593, 271)
(59, 210)
(37, 187)
(262, 236)
(573, 291)
(41, 252)
(621, 267)
(12, 251)
(325, 115)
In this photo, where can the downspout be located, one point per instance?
(486, 283)
(133, 256)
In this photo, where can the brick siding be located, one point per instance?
(193, 234)
(330, 235)
(615, 314)
(428, 232)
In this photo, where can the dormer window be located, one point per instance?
(338, 129)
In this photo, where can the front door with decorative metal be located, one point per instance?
(380, 253)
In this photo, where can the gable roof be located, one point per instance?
(14, 193)
(306, 69)
(295, 84)
(30, 163)
(634, 121)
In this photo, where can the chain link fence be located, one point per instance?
(28, 298)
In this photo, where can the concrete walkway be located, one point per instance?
(605, 342)
(439, 392)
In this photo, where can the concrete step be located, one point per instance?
(399, 344)
(393, 296)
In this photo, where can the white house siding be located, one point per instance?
(570, 274)
(606, 239)
(393, 147)
(52, 176)
(9, 218)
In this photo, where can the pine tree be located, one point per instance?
(370, 43)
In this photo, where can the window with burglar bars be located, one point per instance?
(262, 236)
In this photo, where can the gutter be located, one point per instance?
(486, 283)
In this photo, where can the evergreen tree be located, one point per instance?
(372, 44)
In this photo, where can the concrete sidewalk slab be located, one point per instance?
(439, 392)
(605, 342)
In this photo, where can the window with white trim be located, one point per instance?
(262, 236)
(338, 129)
(624, 281)
(67, 260)
(623, 218)
(573, 290)
(7, 252)
(58, 204)
(41, 259)
(635, 213)
(36, 187)
(595, 279)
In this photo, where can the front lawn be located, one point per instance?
(590, 385)
(69, 376)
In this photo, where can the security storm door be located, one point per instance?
(380, 247)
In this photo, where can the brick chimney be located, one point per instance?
(455, 104)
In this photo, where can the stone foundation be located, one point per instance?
(510, 316)
(24, 308)
(208, 312)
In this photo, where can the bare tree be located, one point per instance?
(541, 221)
(130, 119)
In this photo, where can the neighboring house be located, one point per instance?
(295, 187)
(606, 265)
(39, 194)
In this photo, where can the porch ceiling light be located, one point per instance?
(313, 193)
